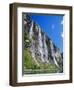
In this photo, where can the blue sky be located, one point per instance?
(53, 27)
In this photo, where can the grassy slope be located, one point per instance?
(34, 68)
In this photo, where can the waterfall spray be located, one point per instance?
(30, 35)
(45, 50)
(32, 46)
(53, 54)
(40, 44)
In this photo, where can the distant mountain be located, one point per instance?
(41, 48)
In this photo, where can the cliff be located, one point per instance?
(40, 52)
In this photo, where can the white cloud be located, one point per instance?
(62, 21)
(52, 26)
(62, 35)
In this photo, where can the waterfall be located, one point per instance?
(45, 50)
(32, 46)
(53, 54)
(30, 35)
(40, 44)
(31, 30)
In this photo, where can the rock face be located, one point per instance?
(40, 46)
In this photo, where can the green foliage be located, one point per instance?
(43, 68)
(28, 60)
(49, 68)
(26, 36)
(27, 41)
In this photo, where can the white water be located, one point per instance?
(32, 47)
(31, 30)
(40, 44)
(30, 35)
(45, 50)
(53, 54)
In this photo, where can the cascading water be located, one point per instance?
(40, 45)
(53, 54)
(30, 35)
(32, 46)
(31, 30)
(45, 50)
